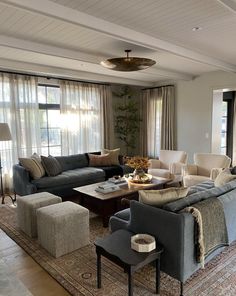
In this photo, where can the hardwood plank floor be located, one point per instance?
(36, 279)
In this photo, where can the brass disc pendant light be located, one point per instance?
(128, 64)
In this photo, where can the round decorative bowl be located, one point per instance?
(143, 243)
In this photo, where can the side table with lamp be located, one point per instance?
(5, 135)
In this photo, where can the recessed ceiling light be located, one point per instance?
(194, 29)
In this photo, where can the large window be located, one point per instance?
(49, 110)
(227, 123)
(224, 118)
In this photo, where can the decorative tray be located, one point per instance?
(144, 179)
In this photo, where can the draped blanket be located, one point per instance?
(211, 231)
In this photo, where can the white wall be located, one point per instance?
(194, 110)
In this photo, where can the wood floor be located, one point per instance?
(36, 280)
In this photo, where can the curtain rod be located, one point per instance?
(157, 87)
(51, 77)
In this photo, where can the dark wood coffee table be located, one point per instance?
(117, 248)
(107, 204)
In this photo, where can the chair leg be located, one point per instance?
(181, 289)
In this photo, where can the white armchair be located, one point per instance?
(206, 166)
(168, 165)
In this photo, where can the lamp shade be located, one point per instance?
(5, 134)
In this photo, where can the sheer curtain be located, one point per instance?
(18, 108)
(154, 116)
(82, 109)
(158, 116)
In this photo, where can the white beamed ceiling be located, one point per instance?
(72, 43)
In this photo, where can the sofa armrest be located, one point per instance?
(154, 163)
(215, 172)
(189, 169)
(21, 181)
(174, 231)
(176, 168)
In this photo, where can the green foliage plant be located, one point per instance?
(127, 119)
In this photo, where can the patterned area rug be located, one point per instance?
(76, 272)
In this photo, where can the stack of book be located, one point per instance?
(117, 181)
(107, 187)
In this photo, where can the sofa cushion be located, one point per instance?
(99, 160)
(72, 162)
(33, 166)
(199, 196)
(114, 155)
(201, 187)
(51, 165)
(160, 197)
(224, 177)
(81, 176)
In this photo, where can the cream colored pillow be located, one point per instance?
(38, 160)
(223, 178)
(34, 167)
(114, 155)
(160, 197)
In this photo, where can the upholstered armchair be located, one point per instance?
(168, 165)
(206, 167)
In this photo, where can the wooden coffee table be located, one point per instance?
(107, 204)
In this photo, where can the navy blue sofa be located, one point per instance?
(175, 229)
(75, 172)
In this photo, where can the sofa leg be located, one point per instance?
(181, 289)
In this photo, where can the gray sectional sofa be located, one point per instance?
(75, 172)
(175, 229)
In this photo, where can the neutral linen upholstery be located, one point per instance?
(26, 210)
(204, 168)
(63, 228)
(170, 163)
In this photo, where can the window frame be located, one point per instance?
(46, 107)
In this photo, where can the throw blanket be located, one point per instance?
(211, 227)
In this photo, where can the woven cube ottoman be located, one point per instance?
(63, 228)
(26, 210)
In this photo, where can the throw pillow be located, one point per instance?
(223, 178)
(114, 155)
(33, 166)
(51, 165)
(160, 197)
(99, 160)
(37, 159)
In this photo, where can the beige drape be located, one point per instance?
(234, 134)
(108, 120)
(158, 125)
(168, 118)
(143, 124)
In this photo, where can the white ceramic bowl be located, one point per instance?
(143, 242)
